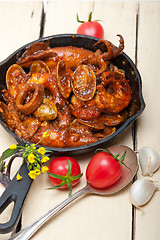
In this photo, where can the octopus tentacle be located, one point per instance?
(113, 51)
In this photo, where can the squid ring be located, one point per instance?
(34, 103)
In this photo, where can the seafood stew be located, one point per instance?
(79, 90)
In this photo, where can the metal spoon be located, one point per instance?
(126, 178)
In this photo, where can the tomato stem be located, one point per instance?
(89, 18)
(79, 20)
(56, 176)
(58, 186)
(69, 184)
(120, 160)
(76, 177)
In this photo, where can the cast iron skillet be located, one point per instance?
(17, 190)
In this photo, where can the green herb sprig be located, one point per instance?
(33, 156)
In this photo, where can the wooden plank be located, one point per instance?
(19, 24)
(90, 217)
(147, 224)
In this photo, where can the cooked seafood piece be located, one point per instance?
(114, 94)
(46, 111)
(15, 75)
(28, 107)
(64, 76)
(84, 83)
(39, 67)
(101, 121)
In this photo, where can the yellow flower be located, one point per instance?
(31, 158)
(44, 169)
(45, 134)
(37, 171)
(44, 159)
(19, 177)
(42, 150)
(34, 173)
(13, 146)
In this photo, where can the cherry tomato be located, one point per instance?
(104, 169)
(64, 172)
(91, 28)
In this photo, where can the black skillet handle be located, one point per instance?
(15, 192)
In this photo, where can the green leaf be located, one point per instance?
(7, 153)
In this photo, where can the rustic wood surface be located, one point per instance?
(92, 217)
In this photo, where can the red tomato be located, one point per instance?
(59, 166)
(103, 170)
(91, 28)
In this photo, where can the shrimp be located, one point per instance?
(114, 93)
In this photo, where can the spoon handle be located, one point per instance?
(27, 232)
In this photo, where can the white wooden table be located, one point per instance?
(93, 217)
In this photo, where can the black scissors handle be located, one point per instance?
(15, 192)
